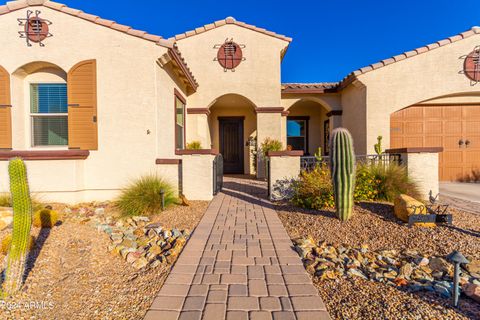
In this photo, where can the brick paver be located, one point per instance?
(238, 264)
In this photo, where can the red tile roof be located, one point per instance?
(21, 4)
(228, 20)
(351, 76)
(321, 87)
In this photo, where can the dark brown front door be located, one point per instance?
(231, 144)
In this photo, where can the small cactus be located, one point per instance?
(22, 223)
(378, 145)
(342, 166)
(318, 155)
(45, 218)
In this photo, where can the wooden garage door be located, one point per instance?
(442, 126)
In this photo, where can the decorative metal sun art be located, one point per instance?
(229, 54)
(471, 66)
(36, 29)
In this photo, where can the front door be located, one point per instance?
(231, 144)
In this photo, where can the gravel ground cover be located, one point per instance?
(375, 225)
(74, 276)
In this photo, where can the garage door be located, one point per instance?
(456, 128)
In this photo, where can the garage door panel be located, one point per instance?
(472, 127)
(452, 112)
(413, 127)
(413, 142)
(396, 128)
(442, 126)
(414, 113)
(434, 113)
(471, 112)
(434, 141)
(433, 127)
(453, 127)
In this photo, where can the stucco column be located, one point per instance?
(284, 168)
(335, 117)
(198, 128)
(422, 167)
(197, 174)
(269, 125)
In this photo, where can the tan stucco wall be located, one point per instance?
(257, 78)
(354, 115)
(435, 73)
(134, 95)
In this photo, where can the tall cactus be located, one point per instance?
(378, 145)
(342, 166)
(22, 222)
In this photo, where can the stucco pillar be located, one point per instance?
(269, 125)
(284, 168)
(422, 167)
(197, 174)
(335, 117)
(198, 128)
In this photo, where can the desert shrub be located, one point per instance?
(194, 145)
(142, 196)
(374, 182)
(313, 189)
(6, 201)
(45, 218)
(366, 184)
(391, 180)
(7, 240)
(270, 145)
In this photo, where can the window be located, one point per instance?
(297, 133)
(179, 122)
(49, 113)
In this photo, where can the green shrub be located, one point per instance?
(270, 145)
(6, 201)
(391, 180)
(313, 189)
(194, 145)
(142, 196)
(374, 182)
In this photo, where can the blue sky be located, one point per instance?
(330, 38)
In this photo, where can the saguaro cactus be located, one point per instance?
(22, 222)
(378, 145)
(342, 166)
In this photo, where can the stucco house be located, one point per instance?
(90, 103)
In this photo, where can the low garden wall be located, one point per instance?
(283, 169)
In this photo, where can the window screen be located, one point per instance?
(49, 112)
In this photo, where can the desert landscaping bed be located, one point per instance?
(79, 271)
(374, 228)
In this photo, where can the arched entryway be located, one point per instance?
(308, 127)
(455, 127)
(233, 130)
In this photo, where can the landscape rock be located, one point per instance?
(472, 291)
(405, 206)
(405, 269)
(473, 266)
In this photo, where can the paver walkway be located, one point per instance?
(238, 264)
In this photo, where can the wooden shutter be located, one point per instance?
(5, 110)
(82, 106)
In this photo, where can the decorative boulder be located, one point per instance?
(405, 206)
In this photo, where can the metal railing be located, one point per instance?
(308, 163)
(217, 174)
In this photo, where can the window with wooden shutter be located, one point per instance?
(5, 110)
(82, 106)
